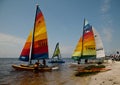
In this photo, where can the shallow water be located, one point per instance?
(63, 76)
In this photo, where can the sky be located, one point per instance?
(64, 22)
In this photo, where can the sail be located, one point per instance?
(86, 46)
(36, 46)
(56, 51)
(99, 46)
(26, 50)
(77, 52)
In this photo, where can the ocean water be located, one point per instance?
(63, 76)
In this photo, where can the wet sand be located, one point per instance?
(47, 79)
(63, 77)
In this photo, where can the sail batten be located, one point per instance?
(36, 46)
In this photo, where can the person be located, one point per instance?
(44, 62)
(36, 67)
(79, 61)
(86, 61)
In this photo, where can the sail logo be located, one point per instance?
(91, 47)
(86, 31)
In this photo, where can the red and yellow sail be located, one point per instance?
(86, 47)
(36, 46)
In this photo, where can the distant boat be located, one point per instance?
(36, 46)
(89, 45)
(56, 58)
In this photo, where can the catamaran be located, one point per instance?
(56, 58)
(36, 46)
(89, 45)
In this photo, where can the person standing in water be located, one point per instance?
(44, 62)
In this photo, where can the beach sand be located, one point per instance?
(111, 77)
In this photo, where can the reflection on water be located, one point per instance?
(63, 76)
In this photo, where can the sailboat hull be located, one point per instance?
(30, 68)
(60, 61)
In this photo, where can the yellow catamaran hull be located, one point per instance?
(31, 68)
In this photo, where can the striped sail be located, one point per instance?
(86, 46)
(36, 46)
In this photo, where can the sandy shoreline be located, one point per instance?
(111, 77)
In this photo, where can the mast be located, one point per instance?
(83, 37)
(32, 43)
